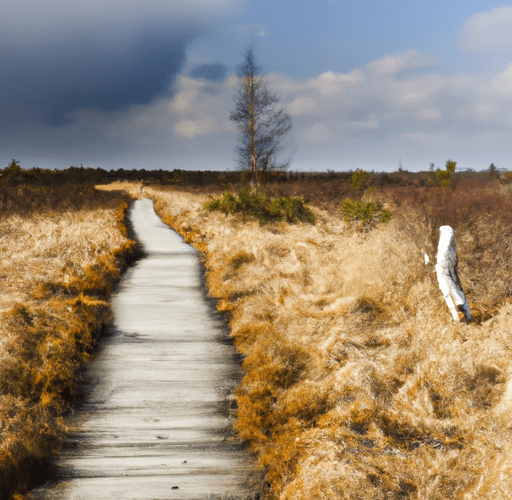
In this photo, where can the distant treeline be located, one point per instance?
(15, 174)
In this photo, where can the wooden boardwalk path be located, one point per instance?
(154, 424)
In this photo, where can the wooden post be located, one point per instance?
(446, 269)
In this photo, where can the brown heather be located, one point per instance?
(62, 250)
(357, 383)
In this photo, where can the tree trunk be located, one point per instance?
(252, 130)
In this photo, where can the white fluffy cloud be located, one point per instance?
(382, 111)
(488, 31)
(303, 106)
(201, 107)
(331, 83)
(503, 82)
(392, 64)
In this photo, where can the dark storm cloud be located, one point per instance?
(215, 72)
(54, 84)
(104, 56)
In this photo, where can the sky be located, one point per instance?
(372, 84)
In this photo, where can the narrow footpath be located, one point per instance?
(155, 423)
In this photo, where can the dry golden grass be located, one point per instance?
(57, 269)
(52, 247)
(357, 384)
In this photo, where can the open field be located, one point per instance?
(358, 384)
(63, 248)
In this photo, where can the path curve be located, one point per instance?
(155, 424)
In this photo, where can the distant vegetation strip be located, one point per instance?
(63, 247)
(217, 181)
(357, 384)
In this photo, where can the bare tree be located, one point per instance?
(262, 123)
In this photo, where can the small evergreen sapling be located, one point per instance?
(354, 210)
(443, 178)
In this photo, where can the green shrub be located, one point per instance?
(292, 209)
(226, 203)
(253, 202)
(494, 173)
(359, 179)
(11, 172)
(366, 213)
(443, 178)
(173, 179)
(506, 178)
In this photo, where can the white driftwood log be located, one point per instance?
(446, 269)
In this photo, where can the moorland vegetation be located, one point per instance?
(63, 246)
(357, 382)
